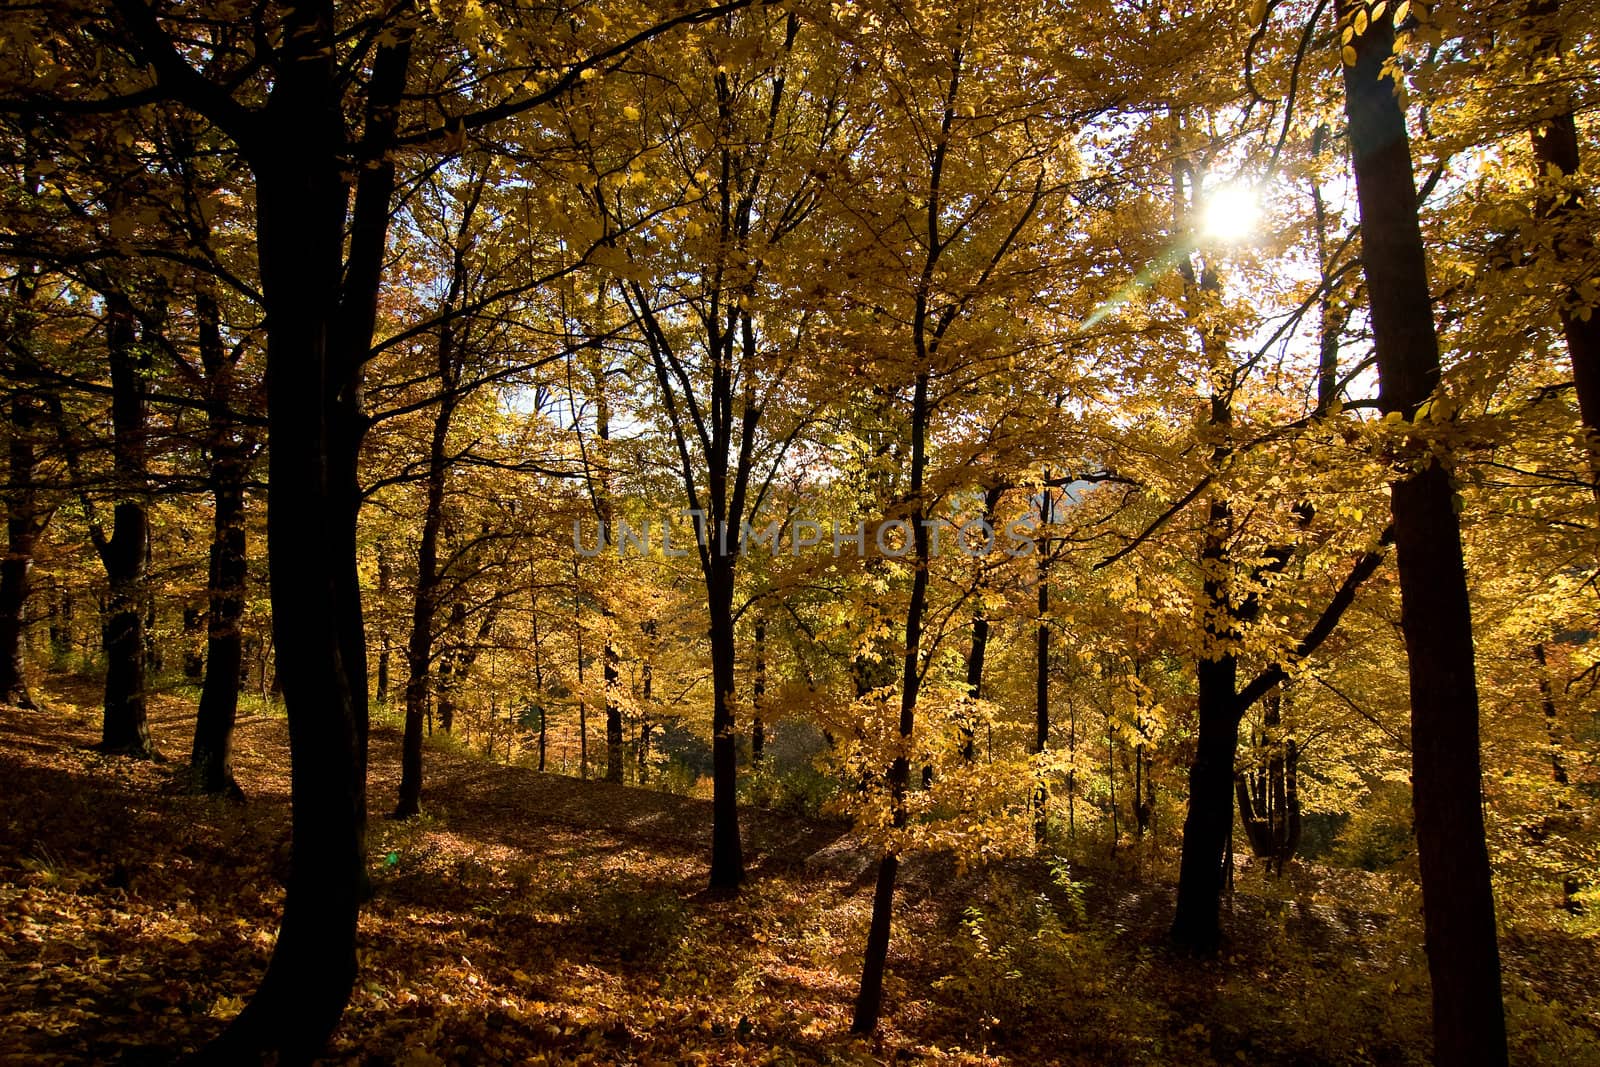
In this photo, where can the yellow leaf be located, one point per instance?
(630, 113)
(1349, 56)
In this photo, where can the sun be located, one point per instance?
(1231, 213)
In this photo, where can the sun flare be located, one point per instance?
(1232, 213)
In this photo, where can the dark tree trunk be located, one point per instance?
(758, 693)
(727, 853)
(1560, 206)
(614, 739)
(419, 652)
(647, 686)
(1041, 672)
(211, 756)
(425, 601)
(979, 649)
(61, 625)
(1209, 823)
(461, 658)
(583, 700)
(1558, 767)
(1269, 792)
(321, 308)
(385, 581)
(538, 679)
(126, 551)
(1436, 615)
(600, 491)
(194, 657)
(25, 521)
(450, 664)
(869, 998)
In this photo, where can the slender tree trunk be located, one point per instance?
(1041, 672)
(211, 756)
(979, 649)
(425, 601)
(126, 552)
(461, 660)
(1208, 824)
(1560, 205)
(1436, 615)
(1072, 769)
(538, 677)
(869, 998)
(25, 519)
(583, 701)
(1558, 767)
(614, 738)
(385, 582)
(23, 527)
(424, 606)
(1269, 793)
(450, 667)
(758, 693)
(194, 656)
(727, 853)
(647, 686)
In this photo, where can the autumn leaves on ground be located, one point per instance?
(537, 918)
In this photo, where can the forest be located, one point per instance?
(799, 532)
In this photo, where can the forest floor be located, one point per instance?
(534, 918)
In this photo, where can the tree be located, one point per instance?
(27, 514)
(1436, 615)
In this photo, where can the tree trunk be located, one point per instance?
(25, 521)
(425, 601)
(1560, 205)
(320, 313)
(385, 581)
(758, 693)
(461, 659)
(614, 739)
(647, 692)
(1269, 793)
(869, 998)
(583, 700)
(125, 553)
(1041, 672)
(1208, 824)
(211, 756)
(1558, 767)
(538, 677)
(727, 854)
(1436, 615)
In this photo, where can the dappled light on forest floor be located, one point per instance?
(527, 918)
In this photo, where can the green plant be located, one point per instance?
(801, 793)
(1378, 835)
(676, 777)
(1018, 962)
